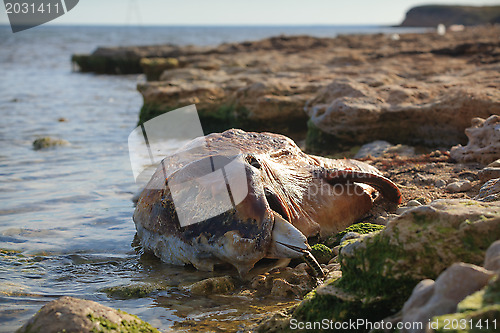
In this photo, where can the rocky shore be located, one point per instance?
(422, 108)
(418, 89)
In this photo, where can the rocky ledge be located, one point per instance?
(343, 91)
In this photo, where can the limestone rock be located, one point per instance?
(492, 258)
(490, 191)
(68, 314)
(431, 299)
(484, 142)
(215, 285)
(489, 173)
(477, 309)
(285, 282)
(48, 142)
(134, 290)
(459, 186)
(154, 67)
(379, 271)
(354, 111)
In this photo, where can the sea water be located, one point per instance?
(66, 213)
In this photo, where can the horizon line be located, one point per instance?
(218, 25)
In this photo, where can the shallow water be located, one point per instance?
(65, 213)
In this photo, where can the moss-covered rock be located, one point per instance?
(48, 142)
(215, 285)
(129, 291)
(107, 64)
(360, 228)
(154, 67)
(380, 271)
(68, 314)
(322, 253)
(479, 312)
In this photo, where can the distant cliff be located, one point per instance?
(432, 15)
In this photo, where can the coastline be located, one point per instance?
(408, 83)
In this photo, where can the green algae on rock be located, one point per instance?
(69, 314)
(215, 285)
(360, 228)
(322, 253)
(48, 142)
(130, 291)
(107, 65)
(478, 312)
(380, 271)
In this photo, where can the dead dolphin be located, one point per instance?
(285, 196)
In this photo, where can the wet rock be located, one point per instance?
(430, 299)
(68, 314)
(285, 282)
(215, 285)
(490, 191)
(379, 271)
(130, 291)
(484, 142)
(126, 59)
(48, 142)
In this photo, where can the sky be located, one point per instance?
(240, 12)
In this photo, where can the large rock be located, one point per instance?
(492, 258)
(478, 312)
(225, 98)
(484, 142)
(490, 191)
(126, 59)
(380, 271)
(430, 299)
(433, 112)
(415, 89)
(72, 315)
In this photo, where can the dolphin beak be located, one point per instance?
(287, 241)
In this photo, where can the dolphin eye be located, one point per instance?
(253, 161)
